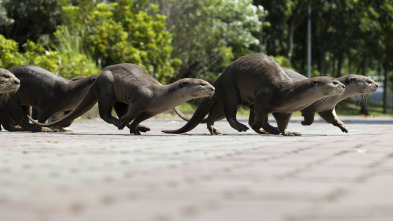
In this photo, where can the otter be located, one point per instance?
(258, 82)
(135, 96)
(8, 83)
(354, 85)
(43, 90)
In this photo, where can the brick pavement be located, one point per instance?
(100, 173)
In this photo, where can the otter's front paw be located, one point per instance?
(135, 131)
(343, 128)
(306, 123)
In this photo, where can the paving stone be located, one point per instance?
(98, 173)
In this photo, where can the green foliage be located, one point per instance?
(115, 33)
(9, 55)
(35, 20)
(66, 62)
(4, 19)
(282, 61)
(209, 34)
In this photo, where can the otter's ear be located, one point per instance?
(92, 79)
(349, 80)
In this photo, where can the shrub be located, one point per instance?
(9, 55)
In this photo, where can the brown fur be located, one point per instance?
(256, 81)
(135, 95)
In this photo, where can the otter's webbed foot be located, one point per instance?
(49, 129)
(120, 125)
(341, 126)
(288, 133)
(135, 131)
(269, 129)
(34, 128)
(343, 129)
(261, 131)
(308, 120)
(308, 117)
(213, 130)
(238, 126)
(143, 128)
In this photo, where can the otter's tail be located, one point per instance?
(184, 117)
(202, 110)
(86, 104)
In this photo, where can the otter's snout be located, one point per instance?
(338, 83)
(16, 81)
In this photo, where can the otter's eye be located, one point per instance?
(335, 82)
(368, 82)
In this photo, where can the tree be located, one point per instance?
(35, 20)
(116, 33)
(209, 34)
(385, 10)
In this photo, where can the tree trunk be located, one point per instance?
(333, 72)
(340, 65)
(363, 104)
(385, 86)
(350, 68)
(322, 61)
(290, 40)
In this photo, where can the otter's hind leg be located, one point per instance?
(231, 101)
(282, 123)
(105, 104)
(18, 114)
(216, 113)
(331, 118)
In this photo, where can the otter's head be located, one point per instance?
(8, 82)
(89, 79)
(358, 84)
(196, 87)
(328, 85)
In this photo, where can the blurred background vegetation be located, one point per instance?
(174, 39)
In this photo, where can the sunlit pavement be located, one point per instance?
(100, 173)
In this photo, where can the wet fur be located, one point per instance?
(44, 90)
(135, 95)
(326, 107)
(355, 85)
(8, 83)
(257, 82)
